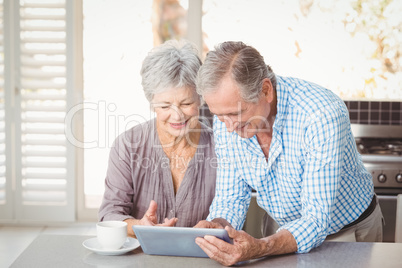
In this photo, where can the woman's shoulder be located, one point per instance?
(138, 135)
(144, 128)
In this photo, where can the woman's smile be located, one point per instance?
(178, 125)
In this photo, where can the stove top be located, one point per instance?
(379, 146)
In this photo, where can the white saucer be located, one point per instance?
(93, 245)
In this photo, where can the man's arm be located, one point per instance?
(232, 194)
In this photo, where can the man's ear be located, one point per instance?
(268, 90)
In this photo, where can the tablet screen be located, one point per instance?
(175, 241)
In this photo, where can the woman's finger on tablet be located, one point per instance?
(169, 222)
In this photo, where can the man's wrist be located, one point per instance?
(282, 242)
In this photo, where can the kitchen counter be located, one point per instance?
(67, 251)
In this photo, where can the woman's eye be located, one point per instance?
(186, 104)
(164, 107)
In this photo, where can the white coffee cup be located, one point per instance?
(111, 234)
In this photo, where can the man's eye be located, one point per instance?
(186, 104)
(164, 107)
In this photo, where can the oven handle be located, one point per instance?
(387, 197)
(398, 224)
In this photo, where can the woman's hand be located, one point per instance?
(150, 218)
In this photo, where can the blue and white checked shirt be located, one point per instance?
(314, 182)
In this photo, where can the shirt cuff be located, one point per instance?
(306, 234)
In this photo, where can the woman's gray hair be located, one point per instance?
(245, 64)
(172, 64)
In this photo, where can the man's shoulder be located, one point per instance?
(309, 97)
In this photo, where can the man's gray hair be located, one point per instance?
(170, 65)
(245, 65)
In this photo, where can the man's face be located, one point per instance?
(245, 118)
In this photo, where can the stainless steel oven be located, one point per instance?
(381, 149)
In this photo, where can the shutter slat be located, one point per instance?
(31, 164)
(39, 153)
(27, 51)
(42, 85)
(43, 40)
(44, 142)
(49, 51)
(39, 75)
(34, 96)
(32, 141)
(45, 108)
(56, 176)
(43, 120)
(42, 17)
(40, 63)
(43, 5)
(43, 28)
(37, 130)
(44, 196)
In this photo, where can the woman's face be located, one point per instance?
(176, 110)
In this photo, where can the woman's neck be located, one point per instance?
(179, 143)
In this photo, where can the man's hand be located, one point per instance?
(208, 224)
(245, 247)
(217, 223)
(150, 218)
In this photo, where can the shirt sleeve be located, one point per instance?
(232, 194)
(324, 141)
(117, 201)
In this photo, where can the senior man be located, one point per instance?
(291, 141)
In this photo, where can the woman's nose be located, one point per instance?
(176, 113)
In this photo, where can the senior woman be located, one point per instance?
(162, 172)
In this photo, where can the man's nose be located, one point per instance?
(230, 124)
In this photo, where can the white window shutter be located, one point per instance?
(43, 93)
(2, 114)
(6, 194)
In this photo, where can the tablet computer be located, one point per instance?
(175, 241)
